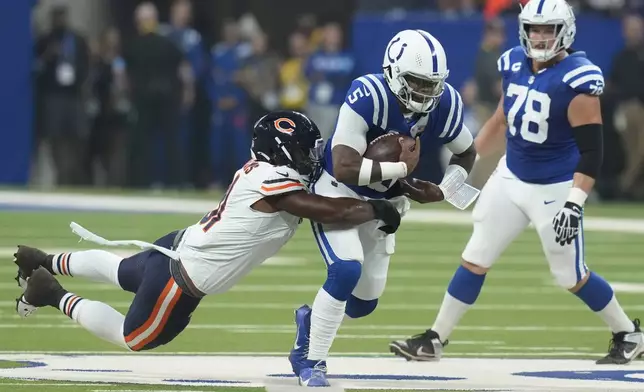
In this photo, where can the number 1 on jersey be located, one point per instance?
(526, 99)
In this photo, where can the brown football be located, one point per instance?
(386, 148)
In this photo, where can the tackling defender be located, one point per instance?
(412, 98)
(551, 111)
(260, 212)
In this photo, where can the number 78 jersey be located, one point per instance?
(541, 147)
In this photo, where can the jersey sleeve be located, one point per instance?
(449, 122)
(365, 105)
(277, 180)
(506, 60)
(367, 97)
(585, 79)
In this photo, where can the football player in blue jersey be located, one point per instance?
(411, 98)
(550, 114)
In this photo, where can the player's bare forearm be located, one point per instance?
(490, 137)
(347, 163)
(583, 182)
(341, 210)
(465, 159)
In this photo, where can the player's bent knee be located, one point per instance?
(566, 281)
(357, 308)
(342, 278)
(474, 268)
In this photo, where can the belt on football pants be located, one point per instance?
(179, 273)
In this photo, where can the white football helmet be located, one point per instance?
(557, 13)
(415, 67)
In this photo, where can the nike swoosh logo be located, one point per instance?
(282, 174)
(422, 353)
(548, 202)
(629, 355)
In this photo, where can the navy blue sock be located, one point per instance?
(465, 285)
(596, 293)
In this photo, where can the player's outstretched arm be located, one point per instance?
(490, 137)
(341, 210)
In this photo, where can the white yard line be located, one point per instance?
(289, 329)
(381, 307)
(82, 202)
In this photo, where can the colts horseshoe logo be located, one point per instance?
(402, 49)
(280, 122)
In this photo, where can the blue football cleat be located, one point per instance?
(300, 351)
(314, 376)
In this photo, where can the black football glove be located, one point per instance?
(566, 223)
(386, 212)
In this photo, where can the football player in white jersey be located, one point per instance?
(260, 212)
(411, 97)
(550, 114)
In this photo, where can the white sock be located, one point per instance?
(326, 317)
(449, 315)
(100, 319)
(97, 265)
(615, 317)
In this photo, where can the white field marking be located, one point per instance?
(259, 288)
(285, 353)
(381, 307)
(283, 387)
(142, 390)
(635, 288)
(281, 288)
(92, 202)
(8, 252)
(318, 272)
(540, 349)
(35, 383)
(289, 329)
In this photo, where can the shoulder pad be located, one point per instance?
(275, 180)
(368, 97)
(585, 78)
(507, 62)
(450, 114)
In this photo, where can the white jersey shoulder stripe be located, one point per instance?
(459, 103)
(451, 112)
(587, 78)
(385, 100)
(504, 61)
(578, 71)
(374, 96)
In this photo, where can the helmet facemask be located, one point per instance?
(307, 162)
(547, 48)
(421, 94)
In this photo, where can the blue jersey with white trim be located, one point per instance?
(541, 147)
(370, 98)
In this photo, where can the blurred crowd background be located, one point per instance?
(163, 94)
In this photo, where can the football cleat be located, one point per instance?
(300, 351)
(23, 308)
(28, 260)
(314, 376)
(43, 290)
(426, 346)
(22, 281)
(624, 347)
